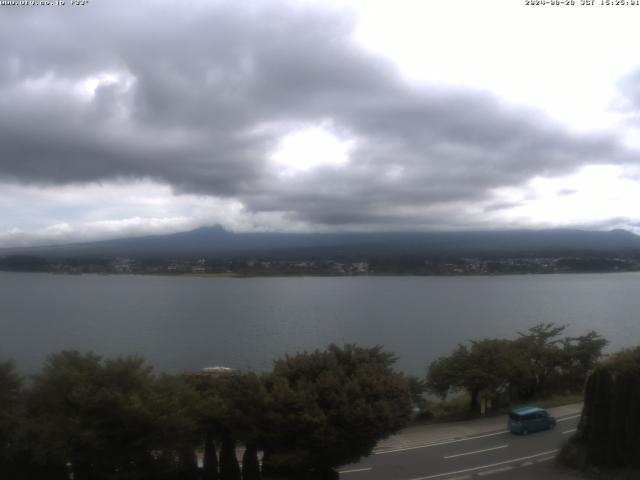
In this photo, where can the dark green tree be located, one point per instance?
(233, 411)
(541, 346)
(609, 430)
(331, 407)
(417, 388)
(447, 374)
(250, 464)
(244, 419)
(485, 367)
(579, 356)
(10, 392)
(109, 418)
(211, 417)
(210, 458)
(539, 362)
(229, 467)
(174, 409)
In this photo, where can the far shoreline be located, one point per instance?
(318, 275)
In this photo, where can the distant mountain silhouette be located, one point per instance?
(216, 242)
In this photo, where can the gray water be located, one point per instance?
(185, 323)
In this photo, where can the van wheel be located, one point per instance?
(525, 432)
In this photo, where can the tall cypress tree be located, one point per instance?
(229, 467)
(250, 465)
(210, 461)
(609, 430)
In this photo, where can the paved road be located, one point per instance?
(497, 455)
(535, 471)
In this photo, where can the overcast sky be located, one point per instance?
(125, 118)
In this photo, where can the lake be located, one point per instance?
(186, 323)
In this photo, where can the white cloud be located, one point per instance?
(596, 195)
(495, 114)
(37, 215)
(562, 59)
(310, 147)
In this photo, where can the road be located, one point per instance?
(498, 455)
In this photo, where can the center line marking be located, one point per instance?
(569, 431)
(496, 470)
(446, 442)
(477, 451)
(355, 470)
(482, 467)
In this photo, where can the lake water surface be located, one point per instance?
(185, 323)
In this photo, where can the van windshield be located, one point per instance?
(514, 416)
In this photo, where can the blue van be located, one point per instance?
(530, 419)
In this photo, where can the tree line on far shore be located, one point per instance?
(90, 418)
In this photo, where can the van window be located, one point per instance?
(514, 416)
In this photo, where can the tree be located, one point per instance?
(229, 468)
(244, 404)
(487, 366)
(447, 374)
(580, 355)
(539, 362)
(210, 458)
(331, 407)
(540, 345)
(250, 464)
(417, 387)
(110, 418)
(608, 434)
(218, 419)
(232, 405)
(10, 391)
(210, 418)
(173, 406)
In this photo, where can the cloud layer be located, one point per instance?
(199, 98)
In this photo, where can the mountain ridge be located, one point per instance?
(215, 241)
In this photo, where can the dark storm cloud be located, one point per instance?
(202, 94)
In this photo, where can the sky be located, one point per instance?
(122, 118)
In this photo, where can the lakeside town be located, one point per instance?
(339, 267)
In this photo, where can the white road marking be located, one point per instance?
(569, 431)
(495, 470)
(485, 466)
(448, 442)
(545, 459)
(567, 418)
(477, 451)
(355, 470)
